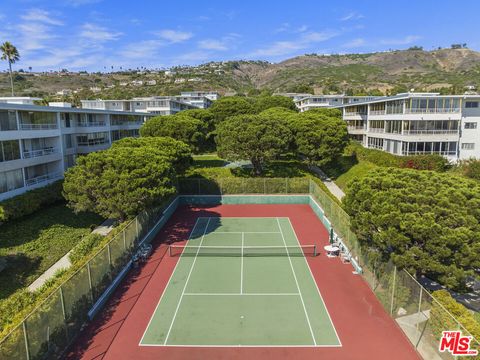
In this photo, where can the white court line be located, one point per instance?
(296, 282)
(313, 279)
(241, 266)
(241, 294)
(168, 283)
(245, 232)
(242, 346)
(186, 282)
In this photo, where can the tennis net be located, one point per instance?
(238, 251)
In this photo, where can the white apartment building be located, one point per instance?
(38, 143)
(327, 101)
(418, 123)
(158, 105)
(211, 95)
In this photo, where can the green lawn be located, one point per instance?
(34, 243)
(346, 168)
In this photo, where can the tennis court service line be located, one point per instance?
(186, 282)
(296, 282)
(168, 283)
(241, 294)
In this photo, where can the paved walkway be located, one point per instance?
(412, 325)
(334, 189)
(64, 262)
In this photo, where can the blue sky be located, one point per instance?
(93, 34)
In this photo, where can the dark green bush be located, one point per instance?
(30, 202)
(381, 158)
(85, 247)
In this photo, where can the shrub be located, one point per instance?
(31, 201)
(85, 246)
(441, 320)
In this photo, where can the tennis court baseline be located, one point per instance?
(241, 282)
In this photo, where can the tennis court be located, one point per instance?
(241, 282)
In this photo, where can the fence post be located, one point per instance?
(25, 337)
(136, 228)
(420, 303)
(264, 186)
(393, 289)
(90, 280)
(124, 240)
(198, 187)
(286, 185)
(62, 300)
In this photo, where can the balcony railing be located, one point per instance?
(378, 112)
(430, 132)
(350, 127)
(356, 114)
(376, 130)
(91, 124)
(38, 126)
(27, 154)
(43, 178)
(93, 142)
(432, 111)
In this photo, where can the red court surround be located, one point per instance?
(364, 328)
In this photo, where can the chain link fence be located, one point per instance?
(51, 327)
(232, 186)
(421, 317)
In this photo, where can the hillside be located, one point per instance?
(445, 70)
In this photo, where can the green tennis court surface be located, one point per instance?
(241, 282)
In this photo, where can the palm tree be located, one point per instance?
(10, 53)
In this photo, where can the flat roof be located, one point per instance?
(24, 107)
(404, 96)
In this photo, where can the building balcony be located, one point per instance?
(43, 178)
(430, 132)
(432, 111)
(91, 124)
(28, 154)
(38, 126)
(376, 130)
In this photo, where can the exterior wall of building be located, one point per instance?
(327, 101)
(38, 143)
(423, 123)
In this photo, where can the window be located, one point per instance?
(11, 180)
(375, 143)
(9, 150)
(8, 120)
(468, 146)
(67, 141)
(470, 125)
(471, 104)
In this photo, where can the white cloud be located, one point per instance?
(302, 42)
(174, 36)
(98, 33)
(212, 44)
(191, 58)
(401, 41)
(39, 15)
(76, 3)
(355, 43)
(302, 28)
(145, 49)
(353, 15)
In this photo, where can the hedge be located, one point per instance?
(30, 202)
(381, 158)
(441, 321)
(85, 247)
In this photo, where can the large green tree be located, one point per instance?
(319, 138)
(176, 151)
(10, 53)
(424, 221)
(252, 137)
(266, 102)
(119, 182)
(180, 127)
(208, 119)
(231, 106)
